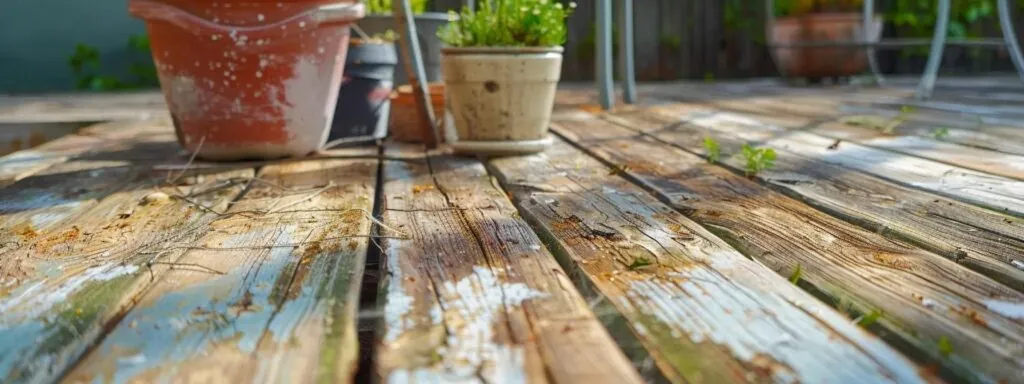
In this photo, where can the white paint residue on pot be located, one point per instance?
(184, 95)
(304, 114)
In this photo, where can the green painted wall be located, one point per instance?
(37, 36)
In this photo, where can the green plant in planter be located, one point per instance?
(497, 106)
(384, 6)
(509, 23)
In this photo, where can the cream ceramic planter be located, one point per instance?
(501, 98)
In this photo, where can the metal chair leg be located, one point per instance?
(869, 11)
(627, 68)
(603, 51)
(924, 89)
(1010, 37)
(410, 50)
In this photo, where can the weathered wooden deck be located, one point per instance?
(887, 245)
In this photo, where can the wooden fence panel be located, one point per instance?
(715, 39)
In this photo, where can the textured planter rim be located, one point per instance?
(500, 50)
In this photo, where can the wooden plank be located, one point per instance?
(646, 39)
(64, 281)
(985, 241)
(801, 108)
(961, 131)
(985, 190)
(58, 191)
(472, 295)
(687, 296)
(924, 302)
(21, 164)
(789, 112)
(81, 107)
(268, 294)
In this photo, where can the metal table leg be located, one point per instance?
(869, 16)
(1010, 37)
(927, 84)
(626, 60)
(410, 51)
(603, 51)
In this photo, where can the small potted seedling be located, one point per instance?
(379, 20)
(501, 67)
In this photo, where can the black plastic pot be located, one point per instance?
(364, 105)
(427, 26)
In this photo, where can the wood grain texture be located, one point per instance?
(81, 250)
(924, 300)
(981, 189)
(706, 313)
(267, 294)
(24, 163)
(81, 107)
(910, 131)
(472, 295)
(985, 241)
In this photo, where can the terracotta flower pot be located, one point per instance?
(822, 62)
(501, 95)
(248, 79)
(405, 117)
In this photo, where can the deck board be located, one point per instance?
(76, 257)
(978, 188)
(267, 294)
(618, 255)
(983, 240)
(472, 295)
(704, 311)
(820, 112)
(862, 271)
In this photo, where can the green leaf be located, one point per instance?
(795, 277)
(639, 262)
(945, 347)
(870, 318)
(957, 29)
(714, 152)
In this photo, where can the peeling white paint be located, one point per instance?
(471, 309)
(398, 304)
(39, 297)
(1017, 264)
(1010, 309)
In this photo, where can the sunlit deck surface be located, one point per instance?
(885, 245)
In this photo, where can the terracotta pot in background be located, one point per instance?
(822, 62)
(501, 94)
(249, 79)
(405, 125)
